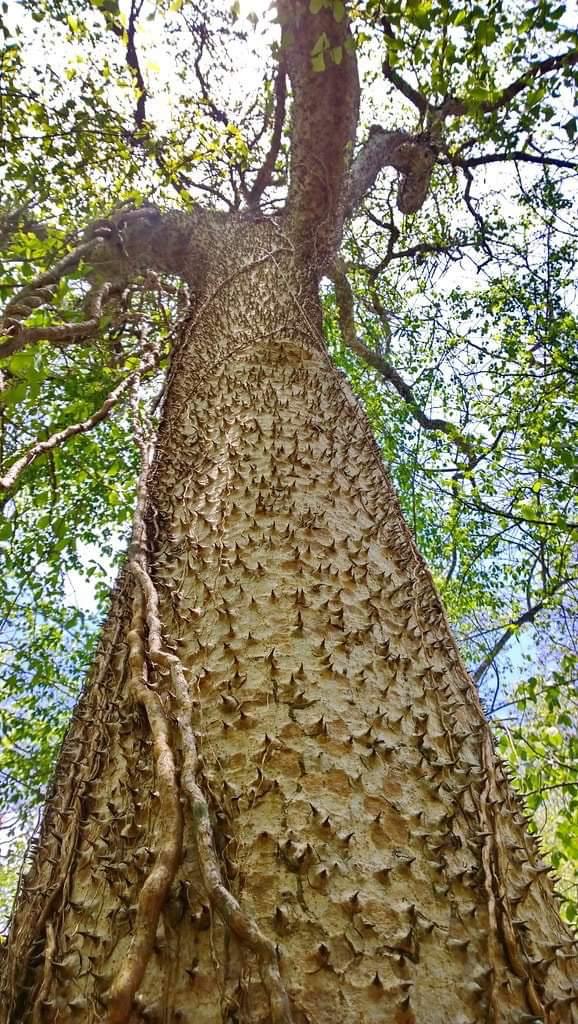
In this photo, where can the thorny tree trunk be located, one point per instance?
(334, 839)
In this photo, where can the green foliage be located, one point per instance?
(539, 739)
(473, 51)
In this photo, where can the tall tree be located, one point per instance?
(278, 799)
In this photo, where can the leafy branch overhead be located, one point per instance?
(435, 190)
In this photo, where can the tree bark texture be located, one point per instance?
(278, 800)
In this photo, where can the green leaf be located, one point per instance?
(320, 44)
(21, 363)
(5, 530)
(338, 13)
(14, 395)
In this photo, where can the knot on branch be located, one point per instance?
(121, 220)
(123, 236)
(414, 160)
(412, 156)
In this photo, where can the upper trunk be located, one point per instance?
(358, 813)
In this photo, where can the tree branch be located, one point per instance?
(486, 662)
(454, 107)
(412, 156)
(148, 361)
(60, 334)
(132, 57)
(218, 115)
(39, 291)
(322, 69)
(477, 216)
(133, 63)
(495, 158)
(116, 249)
(419, 249)
(345, 307)
(20, 219)
(407, 90)
(265, 173)
(528, 616)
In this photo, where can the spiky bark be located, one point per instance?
(278, 800)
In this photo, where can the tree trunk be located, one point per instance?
(334, 839)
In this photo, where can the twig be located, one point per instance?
(407, 90)
(148, 361)
(515, 155)
(419, 249)
(528, 616)
(544, 789)
(218, 115)
(344, 299)
(265, 173)
(477, 216)
(37, 293)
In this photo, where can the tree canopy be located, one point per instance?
(451, 308)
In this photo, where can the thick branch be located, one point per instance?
(344, 299)
(454, 107)
(265, 173)
(57, 334)
(412, 156)
(39, 291)
(116, 249)
(323, 71)
(20, 219)
(407, 90)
